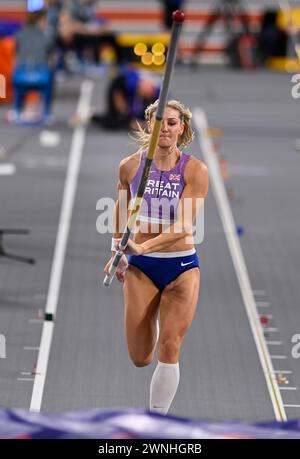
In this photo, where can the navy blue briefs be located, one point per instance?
(162, 268)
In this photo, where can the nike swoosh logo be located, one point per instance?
(185, 264)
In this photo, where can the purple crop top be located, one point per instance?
(162, 192)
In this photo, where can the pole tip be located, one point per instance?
(178, 16)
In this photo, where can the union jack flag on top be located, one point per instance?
(174, 177)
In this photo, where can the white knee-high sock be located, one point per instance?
(163, 386)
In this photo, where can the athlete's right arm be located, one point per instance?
(123, 199)
(120, 215)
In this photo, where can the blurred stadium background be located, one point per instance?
(252, 109)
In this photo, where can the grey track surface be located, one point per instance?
(221, 377)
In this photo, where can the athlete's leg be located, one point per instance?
(141, 300)
(177, 308)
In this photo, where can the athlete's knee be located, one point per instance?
(169, 347)
(141, 362)
(140, 359)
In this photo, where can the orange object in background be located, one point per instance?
(33, 98)
(7, 61)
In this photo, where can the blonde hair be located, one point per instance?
(142, 136)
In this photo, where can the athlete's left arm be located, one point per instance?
(192, 198)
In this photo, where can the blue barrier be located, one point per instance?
(130, 423)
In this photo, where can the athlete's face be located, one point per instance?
(172, 127)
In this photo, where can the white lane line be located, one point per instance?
(270, 329)
(60, 246)
(278, 357)
(25, 379)
(262, 304)
(288, 388)
(7, 169)
(2, 347)
(274, 343)
(283, 372)
(235, 249)
(292, 406)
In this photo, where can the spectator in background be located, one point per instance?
(168, 7)
(128, 95)
(33, 70)
(55, 11)
(53, 8)
(80, 29)
(272, 41)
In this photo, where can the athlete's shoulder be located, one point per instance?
(196, 175)
(128, 165)
(195, 166)
(129, 161)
